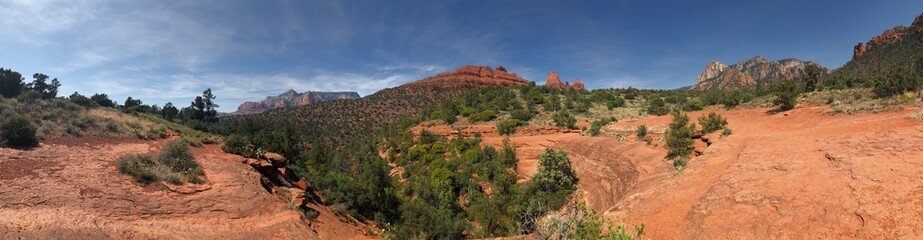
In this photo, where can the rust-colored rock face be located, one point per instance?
(478, 75)
(578, 85)
(858, 51)
(554, 81)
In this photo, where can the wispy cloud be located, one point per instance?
(31, 21)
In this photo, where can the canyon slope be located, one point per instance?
(749, 73)
(801, 174)
(290, 99)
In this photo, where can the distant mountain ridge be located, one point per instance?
(338, 120)
(749, 72)
(896, 51)
(290, 99)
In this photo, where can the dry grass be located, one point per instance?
(859, 100)
(918, 115)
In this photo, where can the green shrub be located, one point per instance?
(726, 132)
(140, 167)
(483, 116)
(174, 164)
(595, 126)
(694, 105)
(680, 163)
(617, 102)
(522, 115)
(786, 93)
(712, 122)
(235, 144)
(641, 132)
(18, 131)
(679, 136)
(564, 119)
(896, 84)
(507, 127)
(175, 154)
(657, 107)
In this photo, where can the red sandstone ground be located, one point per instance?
(72, 189)
(794, 175)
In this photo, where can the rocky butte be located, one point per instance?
(290, 99)
(554, 81)
(476, 75)
(749, 72)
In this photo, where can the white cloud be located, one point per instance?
(232, 89)
(32, 21)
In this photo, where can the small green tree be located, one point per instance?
(712, 122)
(169, 111)
(641, 132)
(812, 73)
(103, 100)
(679, 137)
(786, 93)
(18, 131)
(11, 83)
(81, 100)
(555, 172)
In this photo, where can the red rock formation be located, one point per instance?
(889, 36)
(578, 85)
(479, 75)
(858, 51)
(554, 81)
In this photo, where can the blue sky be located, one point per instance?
(162, 51)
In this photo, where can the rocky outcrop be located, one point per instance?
(578, 85)
(281, 181)
(748, 73)
(290, 99)
(554, 81)
(476, 75)
(858, 51)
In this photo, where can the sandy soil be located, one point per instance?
(793, 175)
(72, 189)
(798, 174)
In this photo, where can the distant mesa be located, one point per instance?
(554, 81)
(476, 75)
(290, 99)
(749, 72)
